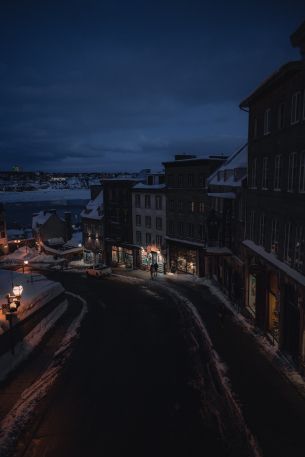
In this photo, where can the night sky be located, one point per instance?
(123, 85)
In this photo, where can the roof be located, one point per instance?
(298, 37)
(40, 219)
(269, 257)
(228, 195)
(94, 208)
(284, 71)
(237, 161)
(194, 161)
(141, 186)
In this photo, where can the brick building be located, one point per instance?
(186, 211)
(274, 247)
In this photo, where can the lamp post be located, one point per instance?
(25, 262)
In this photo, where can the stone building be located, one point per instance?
(92, 223)
(186, 211)
(274, 248)
(3, 233)
(149, 220)
(226, 224)
(49, 228)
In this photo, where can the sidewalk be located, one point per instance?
(26, 374)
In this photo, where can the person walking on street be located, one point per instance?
(156, 269)
(151, 271)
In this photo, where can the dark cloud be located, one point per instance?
(120, 85)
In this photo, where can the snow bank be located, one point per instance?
(8, 361)
(35, 294)
(15, 422)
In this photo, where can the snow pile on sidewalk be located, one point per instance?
(8, 362)
(37, 291)
(15, 422)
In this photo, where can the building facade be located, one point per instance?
(149, 220)
(119, 247)
(92, 223)
(3, 234)
(274, 248)
(186, 211)
(49, 228)
(226, 224)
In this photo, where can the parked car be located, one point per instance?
(99, 271)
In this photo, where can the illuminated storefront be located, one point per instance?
(152, 255)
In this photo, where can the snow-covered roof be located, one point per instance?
(226, 174)
(228, 195)
(94, 209)
(269, 257)
(149, 186)
(40, 219)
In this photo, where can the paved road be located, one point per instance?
(140, 382)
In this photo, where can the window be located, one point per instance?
(299, 249)
(287, 244)
(201, 180)
(267, 121)
(172, 205)
(190, 180)
(262, 230)
(277, 172)
(138, 201)
(281, 116)
(295, 108)
(138, 237)
(193, 207)
(291, 171)
(255, 128)
(148, 238)
(302, 172)
(158, 202)
(265, 173)
(138, 220)
(180, 180)
(180, 205)
(303, 106)
(181, 228)
(171, 228)
(147, 221)
(251, 227)
(274, 236)
(147, 201)
(201, 232)
(253, 173)
(159, 223)
(201, 207)
(159, 240)
(191, 230)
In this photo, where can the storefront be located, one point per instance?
(152, 255)
(183, 259)
(122, 256)
(273, 306)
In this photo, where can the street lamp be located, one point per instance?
(25, 262)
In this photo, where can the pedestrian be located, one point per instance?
(151, 271)
(156, 269)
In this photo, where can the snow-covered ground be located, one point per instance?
(45, 195)
(37, 291)
(16, 420)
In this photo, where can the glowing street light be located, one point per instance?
(25, 262)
